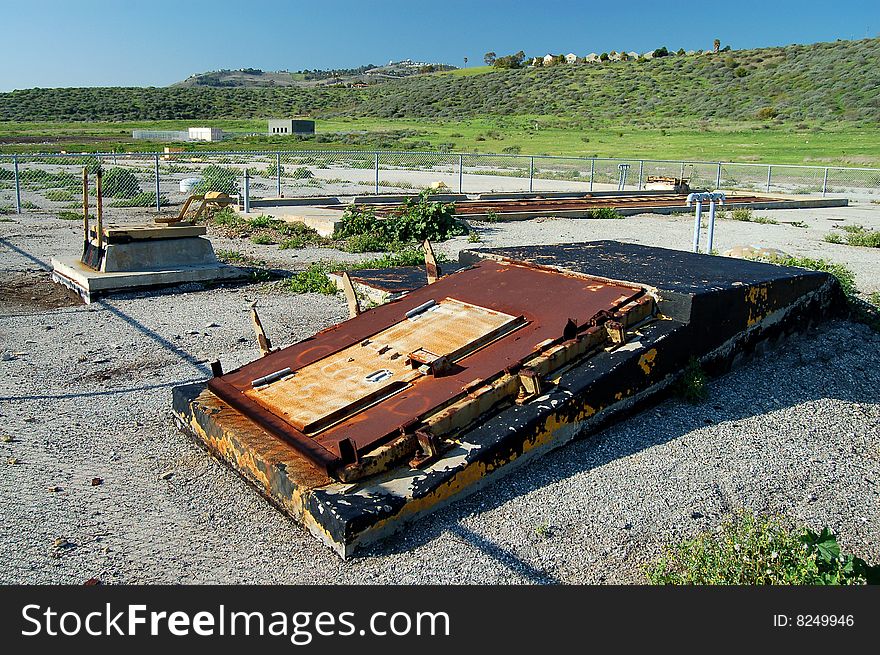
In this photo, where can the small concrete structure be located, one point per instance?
(291, 126)
(205, 134)
(141, 257)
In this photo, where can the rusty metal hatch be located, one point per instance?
(366, 381)
(336, 387)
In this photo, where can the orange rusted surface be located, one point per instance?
(547, 300)
(585, 203)
(370, 371)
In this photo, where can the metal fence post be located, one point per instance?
(592, 171)
(278, 173)
(718, 177)
(377, 173)
(460, 173)
(247, 192)
(769, 176)
(681, 176)
(825, 183)
(158, 201)
(531, 174)
(17, 185)
(641, 169)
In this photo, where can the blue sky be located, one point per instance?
(92, 43)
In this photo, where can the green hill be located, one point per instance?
(818, 82)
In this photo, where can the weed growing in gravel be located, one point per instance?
(874, 299)
(418, 219)
(693, 386)
(491, 216)
(72, 216)
(855, 235)
(238, 259)
(605, 213)
(409, 256)
(845, 276)
(763, 220)
(266, 230)
(312, 280)
(473, 237)
(742, 214)
(800, 224)
(750, 550)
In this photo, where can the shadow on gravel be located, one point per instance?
(104, 392)
(196, 363)
(834, 365)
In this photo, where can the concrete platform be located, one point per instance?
(91, 284)
(321, 219)
(715, 309)
(381, 285)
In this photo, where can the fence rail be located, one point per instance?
(52, 182)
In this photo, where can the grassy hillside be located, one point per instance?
(819, 82)
(840, 143)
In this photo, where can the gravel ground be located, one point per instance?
(98, 483)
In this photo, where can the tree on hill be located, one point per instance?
(716, 45)
(489, 58)
(510, 61)
(661, 52)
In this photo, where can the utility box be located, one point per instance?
(291, 126)
(205, 134)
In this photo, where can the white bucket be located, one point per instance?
(189, 183)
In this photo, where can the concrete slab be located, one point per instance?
(295, 201)
(381, 285)
(91, 284)
(321, 219)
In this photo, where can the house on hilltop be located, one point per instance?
(571, 58)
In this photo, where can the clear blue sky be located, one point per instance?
(50, 43)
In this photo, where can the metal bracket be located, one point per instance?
(531, 385)
(354, 305)
(429, 449)
(262, 340)
(431, 266)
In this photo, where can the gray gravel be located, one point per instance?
(88, 394)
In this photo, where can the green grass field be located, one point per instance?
(840, 144)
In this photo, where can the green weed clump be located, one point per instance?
(408, 256)
(855, 235)
(119, 183)
(752, 550)
(266, 230)
(743, 214)
(844, 275)
(418, 219)
(312, 280)
(217, 178)
(693, 384)
(605, 213)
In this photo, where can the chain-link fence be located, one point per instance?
(152, 181)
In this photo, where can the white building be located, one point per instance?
(633, 54)
(592, 57)
(548, 59)
(205, 134)
(571, 58)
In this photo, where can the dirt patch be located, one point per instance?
(33, 292)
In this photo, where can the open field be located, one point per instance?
(85, 393)
(834, 143)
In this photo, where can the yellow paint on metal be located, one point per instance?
(646, 361)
